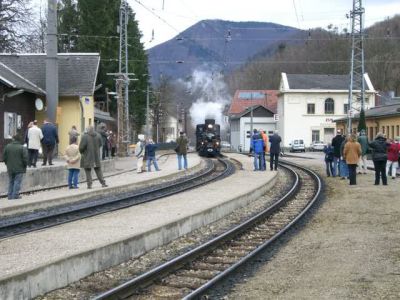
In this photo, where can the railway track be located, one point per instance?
(44, 218)
(193, 273)
(38, 190)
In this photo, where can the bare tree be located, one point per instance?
(13, 16)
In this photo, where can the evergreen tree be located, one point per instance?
(91, 26)
(361, 122)
(67, 26)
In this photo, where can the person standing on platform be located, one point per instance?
(328, 150)
(352, 153)
(73, 158)
(113, 143)
(274, 150)
(104, 138)
(73, 133)
(15, 157)
(393, 157)
(343, 168)
(379, 157)
(257, 145)
(336, 144)
(265, 139)
(181, 150)
(139, 153)
(151, 155)
(363, 140)
(89, 148)
(49, 141)
(34, 137)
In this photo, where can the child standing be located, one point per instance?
(328, 150)
(73, 158)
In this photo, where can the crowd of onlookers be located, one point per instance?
(94, 146)
(347, 155)
(259, 146)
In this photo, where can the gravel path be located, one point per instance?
(348, 249)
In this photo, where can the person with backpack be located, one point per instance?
(139, 153)
(329, 154)
(379, 157)
(393, 157)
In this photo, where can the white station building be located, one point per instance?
(308, 104)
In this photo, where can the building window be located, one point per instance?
(392, 132)
(10, 124)
(329, 106)
(383, 129)
(315, 135)
(387, 132)
(345, 108)
(311, 108)
(397, 130)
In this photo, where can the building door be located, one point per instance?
(329, 134)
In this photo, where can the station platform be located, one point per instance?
(35, 263)
(120, 178)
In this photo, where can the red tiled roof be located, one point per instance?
(239, 104)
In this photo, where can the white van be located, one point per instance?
(297, 145)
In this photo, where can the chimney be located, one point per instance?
(51, 62)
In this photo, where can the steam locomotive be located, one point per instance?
(208, 140)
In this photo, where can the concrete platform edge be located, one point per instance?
(31, 283)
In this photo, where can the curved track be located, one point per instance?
(15, 225)
(191, 274)
(33, 191)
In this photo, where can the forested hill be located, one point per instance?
(326, 52)
(223, 45)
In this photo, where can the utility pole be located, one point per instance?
(122, 83)
(51, 62)
(147, 110)
(357, 71)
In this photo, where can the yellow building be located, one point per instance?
(77, 74)
(385, 119)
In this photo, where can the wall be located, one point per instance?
(267, 124)
(387, 125)
(297, 124)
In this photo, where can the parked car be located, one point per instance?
(317, 146)
(297, 145)
(225, 145)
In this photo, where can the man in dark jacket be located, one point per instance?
(49, 141)
(16, 159)
(274, 150)
(379, 157)
(336, 144)
(181, 150)
(89, 147)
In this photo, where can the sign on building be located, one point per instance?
(276, 117)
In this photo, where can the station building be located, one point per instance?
(251, 109)
(385, 119)
(309, 104)
(23, 83)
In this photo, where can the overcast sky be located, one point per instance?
(169, 17)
